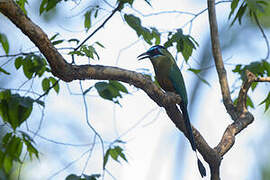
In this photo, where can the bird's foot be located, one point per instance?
(173, 97)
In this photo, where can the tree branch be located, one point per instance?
(216, 50)
(242, 118)
(264, 35)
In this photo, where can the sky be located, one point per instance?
(155, 149)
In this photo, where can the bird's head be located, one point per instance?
(153, 52)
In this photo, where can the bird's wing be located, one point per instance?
(176, 77)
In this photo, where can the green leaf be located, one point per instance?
(30, 148)
(14, 148)
(15, 109)
(4, 42)
(88, 51)
(91, 177)
(47, 5)
(21, 4)
(240, 13)
(266, 67)
(87, 20)
(73, 177)
(19, 109)
(27, 66)
(54, 36)
(75, 40)
(56, 87)
(117, 85)
(114, 154)
(203, 80)
(126, 1)
(120, 152)
(78, 53)
(148, 35)
(7, 163)
(266, 101)
(156, 35)
(57, 42)
(184, 43)
(254, 85)
(106, 157)
(96, 12)
(98, 43)
(18, 62)
(4, 71)
(45, 84)
(234, 4)
(6, 94)
(111, 90)
(249, 102)
(196, 71)
(6, 139)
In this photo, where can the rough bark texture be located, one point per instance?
(67, 72)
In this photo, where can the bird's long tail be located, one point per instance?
(191, 138)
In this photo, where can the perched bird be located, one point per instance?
(170, 79)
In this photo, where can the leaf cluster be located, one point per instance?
(113, 152)
(260, 69)
(11, 149)
(15, 109)
(87, 50)
(110, 90)
(147, 34)
(184, 43)
(32, 65)
(253, 7)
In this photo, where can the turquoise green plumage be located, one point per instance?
(170, 79)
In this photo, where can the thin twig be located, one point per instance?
(68, 165)
(90, 154)
(47, 91)
(264, 35)
(59, 142)
(94, 32)
(88, 122)
(28, 53)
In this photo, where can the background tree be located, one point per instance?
(75, 60)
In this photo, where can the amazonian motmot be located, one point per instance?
(170, 79)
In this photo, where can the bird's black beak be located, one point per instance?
(143, 56)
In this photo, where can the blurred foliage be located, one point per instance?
(252, 7)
